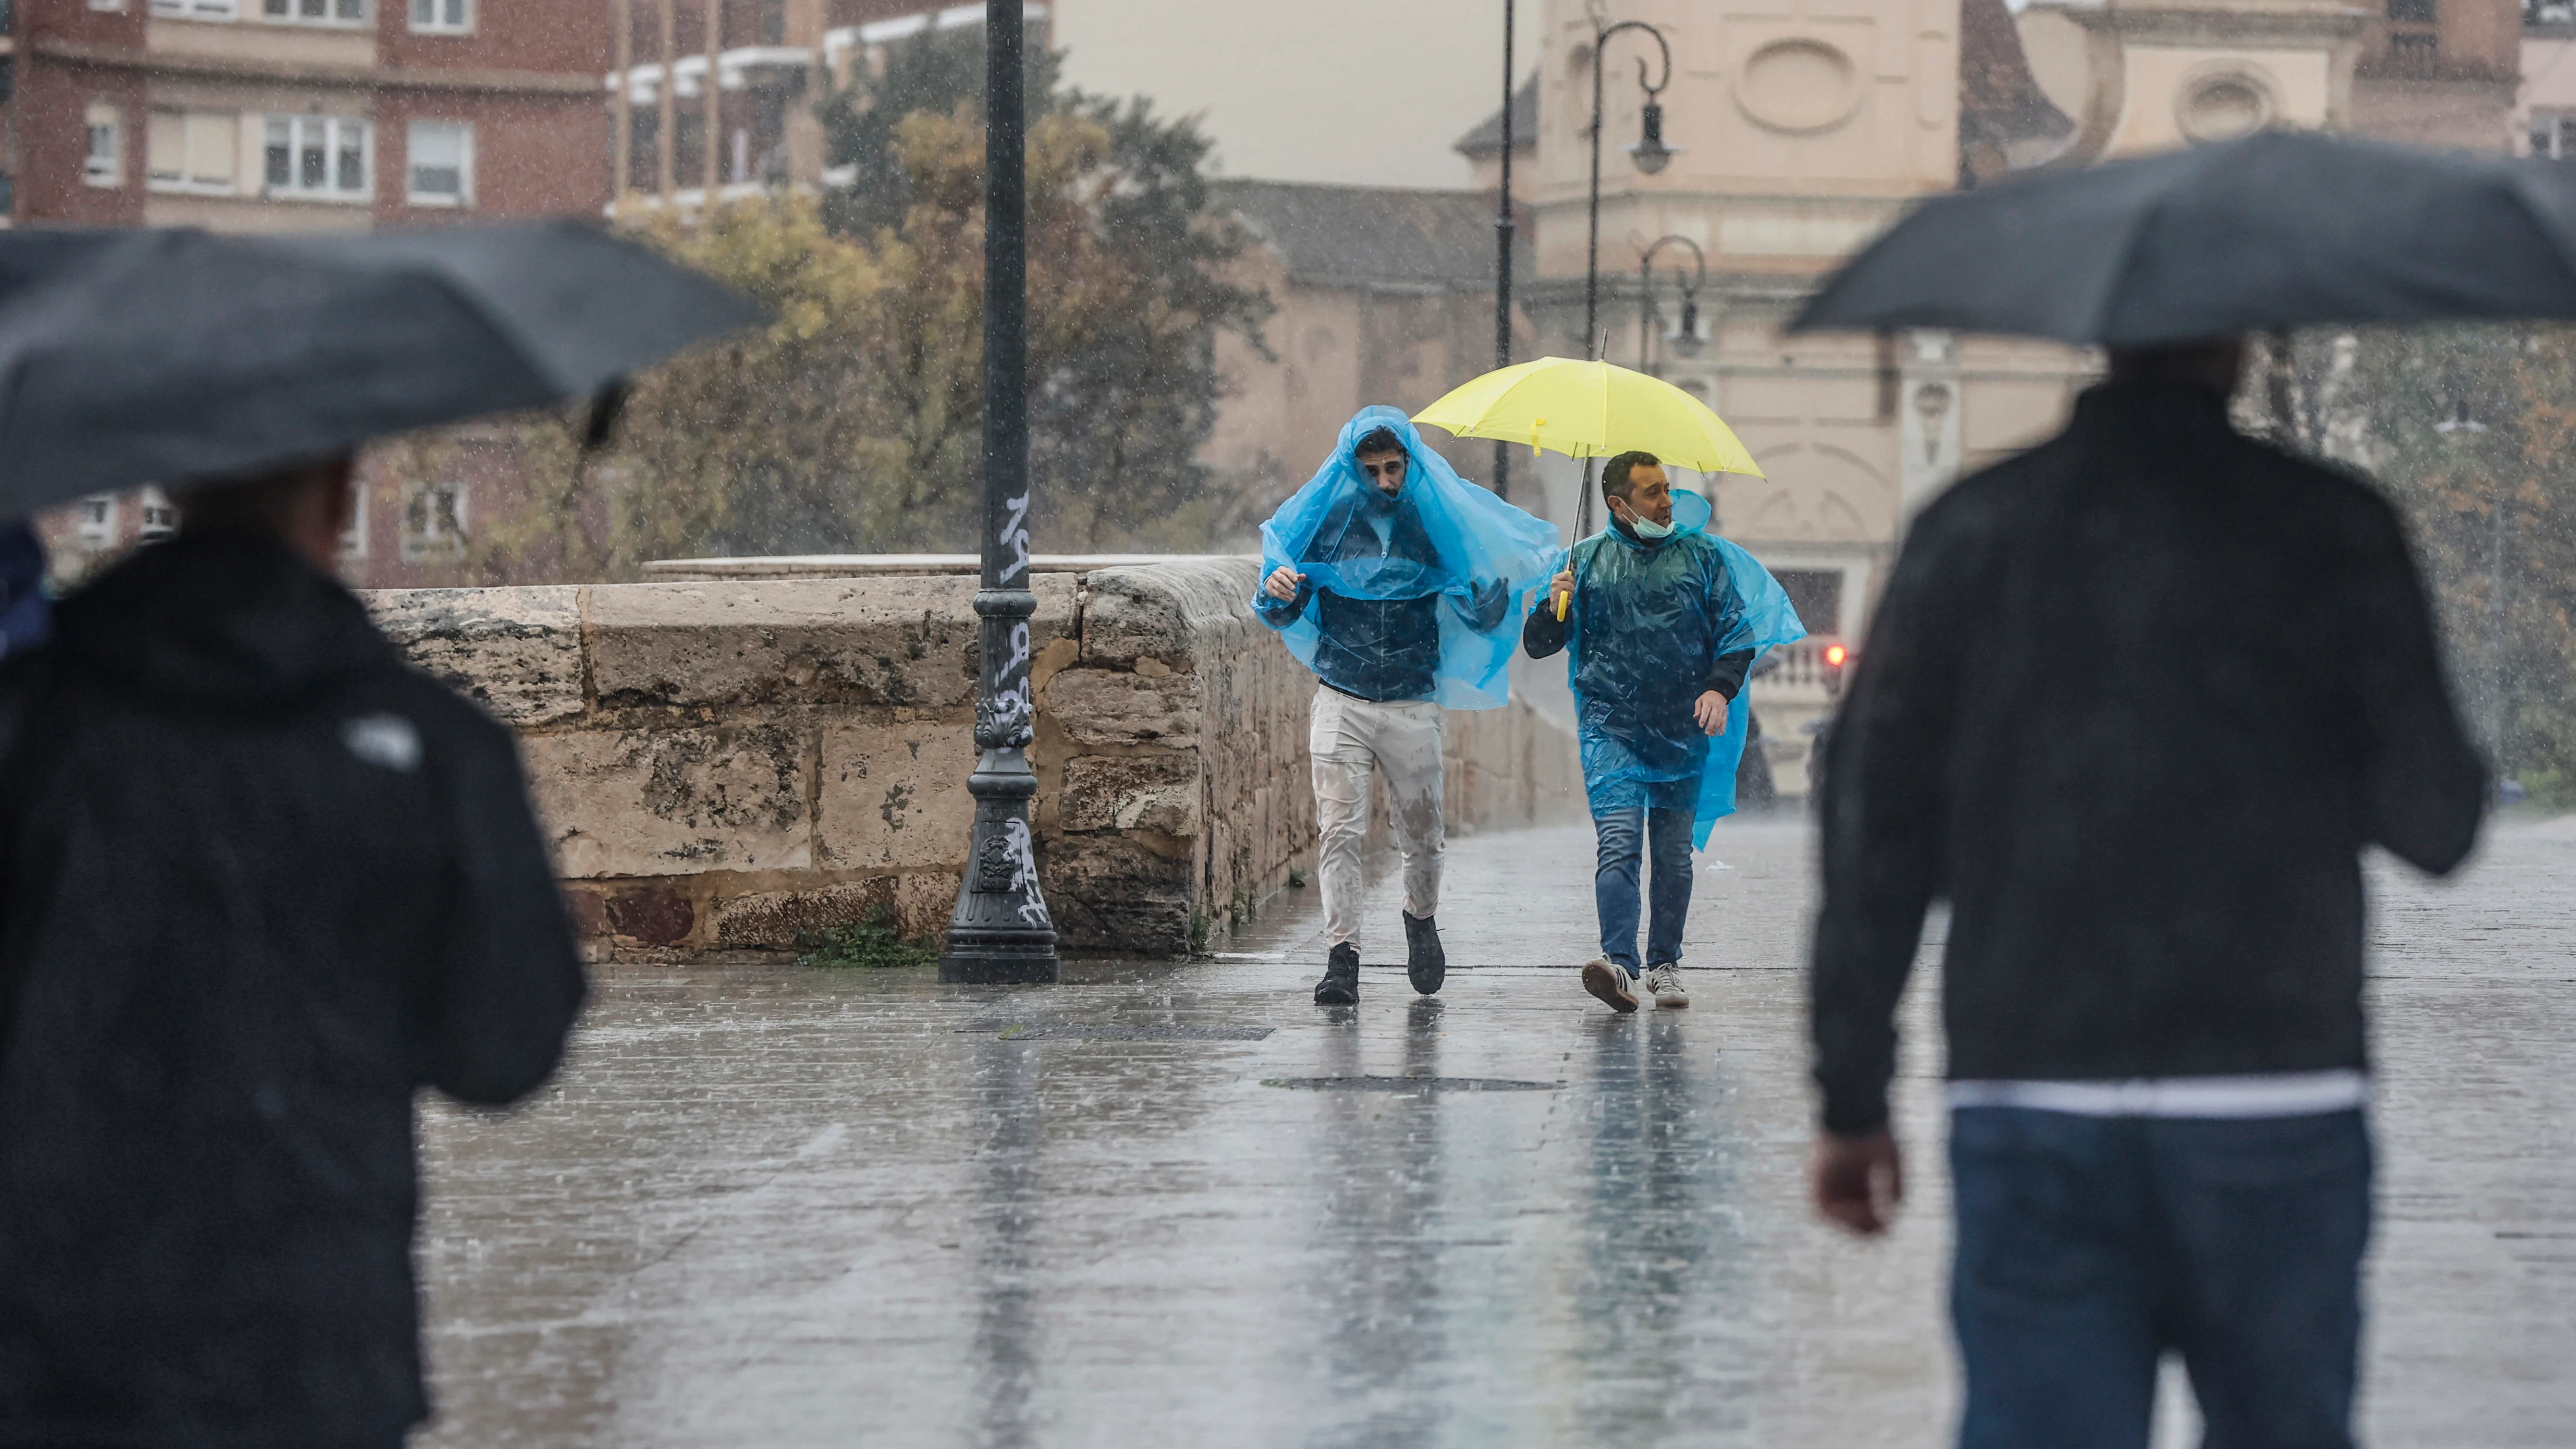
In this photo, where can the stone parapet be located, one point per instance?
(724, 764)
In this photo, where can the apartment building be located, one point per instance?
(774, 60)
(303, 115)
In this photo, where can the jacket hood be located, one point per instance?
(218, 619)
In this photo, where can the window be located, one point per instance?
(442, 17)
(314, 12)
(433, 522)
(196, 151)
(111, 5)
(2414, 53)
(325, 157)
(2553, 135)
(441, 163)
(187, 9)
(105, 165)
(2411, 12)
(160, 520)
(1817, 595)
(353, 542)
(97, 526)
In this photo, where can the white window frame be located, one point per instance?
(294, 12)
(427, 544)
(446, 17)
(2559, 127)
(160, 516)
(224, 11)
(186, 181)
(353, 540)
(103, 163)
(463, 198)
(332, 129)
(97, 524)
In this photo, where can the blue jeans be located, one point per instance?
(1614, 882)
(2090, 1246)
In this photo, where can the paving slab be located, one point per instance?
(1179, 1204)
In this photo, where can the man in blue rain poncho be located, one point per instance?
(1393, 579)
(1664, 621)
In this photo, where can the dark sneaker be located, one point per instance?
(1424, 961)
(1341, 983)
(1609, 981)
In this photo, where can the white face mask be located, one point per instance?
(1645, 527)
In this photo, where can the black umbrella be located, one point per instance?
(178, 356)
(2282, 229)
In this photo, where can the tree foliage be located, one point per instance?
(2471, 431)
(853, 421)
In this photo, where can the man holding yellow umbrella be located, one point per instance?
(1661, 621)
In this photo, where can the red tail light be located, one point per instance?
(1835, 655)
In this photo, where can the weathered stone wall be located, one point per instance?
(723, 765)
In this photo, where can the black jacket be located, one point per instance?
(261, 880)
(2133, 703)
(1381, 649)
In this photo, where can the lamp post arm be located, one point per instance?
(1592, 343)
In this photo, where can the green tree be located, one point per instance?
(853, 421)
(2469, 430)
(1129, 283)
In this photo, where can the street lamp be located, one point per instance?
(1000, 931)
(1651, 155)
(1685, 338)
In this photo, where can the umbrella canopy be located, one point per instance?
(1591, 410)
(2280, 229)
(177, 356)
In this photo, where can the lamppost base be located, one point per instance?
(999, 963)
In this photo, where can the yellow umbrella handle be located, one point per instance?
(1562, 602)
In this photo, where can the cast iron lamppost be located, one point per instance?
(1685, 338)
(1651, 155)
(1503, 256)
(1000, 931)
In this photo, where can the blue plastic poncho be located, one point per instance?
(1440, 537)
(1646, 627)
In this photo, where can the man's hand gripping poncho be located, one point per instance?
(1646, 626)
(1478, 545)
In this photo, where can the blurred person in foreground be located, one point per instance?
(262, 881)
(26, 611)
(1664, 620)
(1392, 578)
(2134, 704)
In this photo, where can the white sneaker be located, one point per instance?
(1665, 982)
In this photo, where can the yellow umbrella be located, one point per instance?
(1591, 410)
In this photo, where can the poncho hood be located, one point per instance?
(1478, 542)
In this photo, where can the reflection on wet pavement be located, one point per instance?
(1183, 1205)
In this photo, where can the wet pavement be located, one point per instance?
(1181, 1205)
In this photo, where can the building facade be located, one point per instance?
(1380, 295)
(303, 115)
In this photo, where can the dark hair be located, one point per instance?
(1614, 474)
(1382, 440)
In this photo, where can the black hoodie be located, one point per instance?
(262, 880)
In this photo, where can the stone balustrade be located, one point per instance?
(725, 763)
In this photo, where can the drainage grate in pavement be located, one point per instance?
(1410, 1084)
(1112, 1031)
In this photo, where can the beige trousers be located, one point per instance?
(1348, 738)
